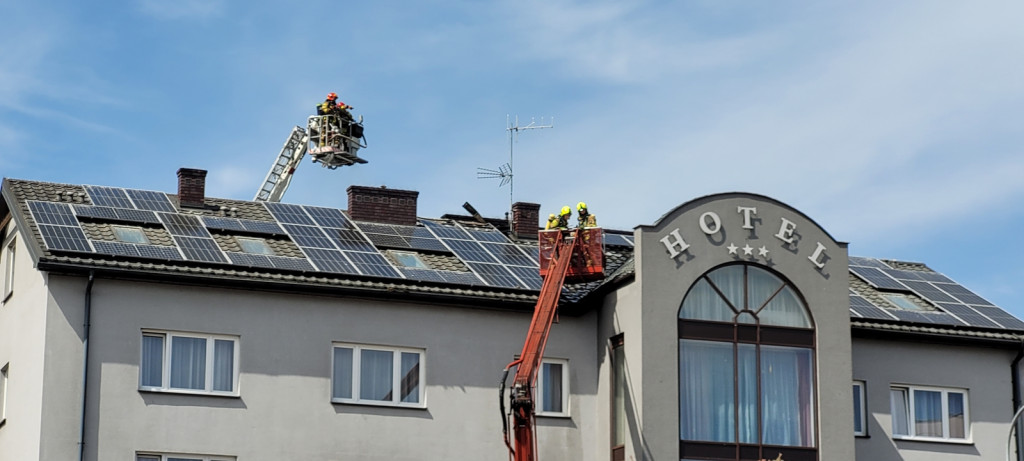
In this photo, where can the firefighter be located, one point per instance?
(585, 218)
(563, 218)
(331, 106)
(552, 222)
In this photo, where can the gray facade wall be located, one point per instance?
(665, 280)
(23, 324)
(284, 409)
(620, 313)
(983, 371)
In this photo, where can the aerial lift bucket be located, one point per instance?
(334, 142)
(587, 260)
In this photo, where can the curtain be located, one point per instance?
(899, 410)
(702, 303)
(410, 377)
(223, 365)
(928, 413)
(785, 310)
(342, 373)
(376, 374)
(188, 362)
(956, 416)
(552, 386)
(747, 355)
(152, 361)
(706, 402)
(729, 280)
(786, 396)
(760, 284)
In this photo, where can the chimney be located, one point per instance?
(382, 205)
(191, 188)
(525, 220)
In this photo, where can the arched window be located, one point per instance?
(746, 368)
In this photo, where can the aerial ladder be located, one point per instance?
(331, 141)
(576, 255)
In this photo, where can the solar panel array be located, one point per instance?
(489, 254)
(956, 305)
(59, 227)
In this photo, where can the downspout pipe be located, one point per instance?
(85, 365)
(1015, 383)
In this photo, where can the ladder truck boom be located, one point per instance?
(283, 169)
(578, 254)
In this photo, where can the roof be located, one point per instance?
(74, 228)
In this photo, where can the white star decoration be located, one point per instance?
(747, 250)
(732, 249)
(762, 252)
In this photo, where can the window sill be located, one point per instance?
(862, 436)
(230, 395)
(554, 415)
(933, 440)
(370, 403)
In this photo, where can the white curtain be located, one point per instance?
(899, 409)
(152, 361)
(703, 303)
(785, 310)
(729, 280)
(188, 362)
(410, 377)
(376, 374)
(747, 354)
(706, 399)
(928, 413)
(342, 373)
(223, 365)
(552, 385)
(956, 416)
(786, 396)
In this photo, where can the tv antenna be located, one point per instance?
(505, 171)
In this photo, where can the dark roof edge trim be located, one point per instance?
(870, 330)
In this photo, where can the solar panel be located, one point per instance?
(495, 274)
(429, 244)
(509, 254)
(617, 240)
(330, 261)
(65, 238)
(903, 275)
(91, 211)
(468, 250)
(115, 248)
(462, 278)
(968, 315)
(877, 278)
(866, 309)
(929, 292)
(200, 249)
(284, 262)
(376, 228)
(52, 213)
(868, 262)
(1000, 316)
(288, 213)
(261, 227)
(962, 294)
(387, 240)
(426, 275)
(217, 222)
(133, 215)
(248, 259)
(183, 225)
(243, 225)
(487, 235)
(935, 277)
(349, 239)
(109, 196)
(530, 276)
(445, 231)
(150, 200)
(308, 236)
(372, 264)
(328, 217)
(159, 252)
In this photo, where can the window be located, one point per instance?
(254, 246)
(168, 457)
(3, 392)
(746, 368)
(902, 302)
(9, 269)
(184, 362)
(929, 413)
(409, 259)
(553, 388)
(378, 375)
(860, 423)
(130, 234)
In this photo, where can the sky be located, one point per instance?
(896, 126)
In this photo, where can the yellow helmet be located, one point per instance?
(581, 206)
(551, 216)
(566, 211)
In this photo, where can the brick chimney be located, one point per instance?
(191, 187)
(525, 220)
(382, 205)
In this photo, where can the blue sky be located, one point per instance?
(897, 126)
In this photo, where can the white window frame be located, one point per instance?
(396, 378)
(4, 373)
(10, 250)
(860, 389)
(540, 411)
(398, 255)
(165, 373)
(166, 456)
(909, 396)
(133, 229)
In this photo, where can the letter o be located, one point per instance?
(715, 220)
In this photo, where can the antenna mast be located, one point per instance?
(505, 172)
